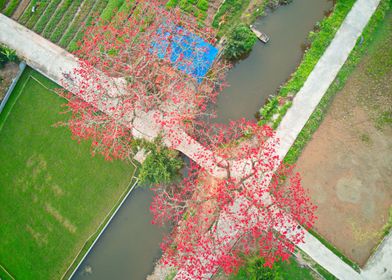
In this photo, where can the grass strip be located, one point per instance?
(228, 14)
(273, 111)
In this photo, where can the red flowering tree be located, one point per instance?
(127, 85)
(219, 219)
(126, 75)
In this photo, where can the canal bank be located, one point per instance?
(252, 80)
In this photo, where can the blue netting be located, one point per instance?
(188, 52)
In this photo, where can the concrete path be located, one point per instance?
(304, 103)
(379, 266)
(324, 73)
(53, 61)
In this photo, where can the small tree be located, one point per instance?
(240, 41)
(161, 165)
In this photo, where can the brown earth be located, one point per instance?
(7, 73)
(347, 166)
(20, 9)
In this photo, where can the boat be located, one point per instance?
(260, 35)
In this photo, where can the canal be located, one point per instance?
(129, 246)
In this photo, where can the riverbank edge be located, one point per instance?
(276, 107)
(322, 108)
(90, 242)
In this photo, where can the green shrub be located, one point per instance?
(240, 41)
(171, 3)
(7, 55)
(161, 165)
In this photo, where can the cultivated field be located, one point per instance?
(54, 195)
(348, 165)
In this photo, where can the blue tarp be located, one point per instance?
(188, 52)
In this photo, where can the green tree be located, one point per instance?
(240, 41)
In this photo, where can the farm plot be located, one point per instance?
(54, 195)
(63, 21)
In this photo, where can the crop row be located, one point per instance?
(197, 8)
(46, 16)
(60, 12)
(98, 8)
(126, 7)
(70, 33)
(40, 10)
(2, 4)
(110, 9)
(26, 14)
(65, 21)
(12, 5)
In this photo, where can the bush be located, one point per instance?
(240, 41)
(161, 165)
(7, 55)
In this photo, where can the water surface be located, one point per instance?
(129, 246)
(268, 66)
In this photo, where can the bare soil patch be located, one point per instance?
(7, 73)
(20, 9)
(347, 166)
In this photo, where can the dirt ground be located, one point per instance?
(22, 6)
(6, 75)
(347, 166)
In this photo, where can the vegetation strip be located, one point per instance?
(274, 110)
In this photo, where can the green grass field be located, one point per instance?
(53, 193)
